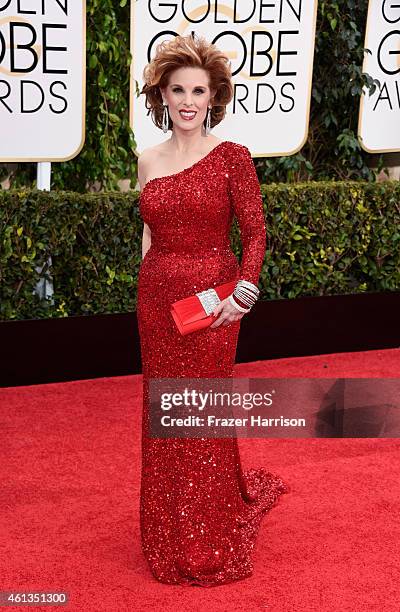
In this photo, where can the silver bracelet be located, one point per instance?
(248, 284)
(244, 297)
(232, 301)
(246, 292)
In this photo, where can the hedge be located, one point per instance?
(323, 238)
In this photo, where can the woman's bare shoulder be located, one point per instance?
(145, 161)
(147, 155)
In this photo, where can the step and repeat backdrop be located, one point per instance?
(270, 46)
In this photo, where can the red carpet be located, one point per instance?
(70, 493)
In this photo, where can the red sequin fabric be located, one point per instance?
(199, 511)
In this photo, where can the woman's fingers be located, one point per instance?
(217, 316)
(225, 314)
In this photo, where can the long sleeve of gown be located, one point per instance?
(246, 199)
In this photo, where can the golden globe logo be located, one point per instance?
(379, 118)
(42, 72)
(271, 47)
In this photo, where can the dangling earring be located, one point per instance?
(165, 119)
(208, 120)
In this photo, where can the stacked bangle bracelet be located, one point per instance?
(247, 293)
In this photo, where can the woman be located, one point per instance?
(199, 511)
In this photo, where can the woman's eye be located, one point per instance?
(200, 91)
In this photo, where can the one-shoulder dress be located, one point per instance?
(199, 511)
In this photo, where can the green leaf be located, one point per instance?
(93, 61)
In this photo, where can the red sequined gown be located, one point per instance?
(199, 512)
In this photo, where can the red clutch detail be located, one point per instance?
(190, 315)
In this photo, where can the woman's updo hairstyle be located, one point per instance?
(191, 52)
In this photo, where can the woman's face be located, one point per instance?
(187, 90)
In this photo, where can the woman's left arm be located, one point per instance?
(248, 206)
(247, 202)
